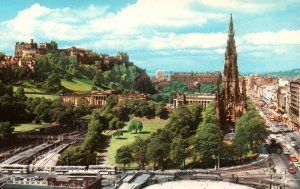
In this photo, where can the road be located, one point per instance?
(284, 136)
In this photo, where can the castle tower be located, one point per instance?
(231, 102)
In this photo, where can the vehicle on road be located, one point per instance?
(286, 151)
(62, 170)
(14, 169)
(293, 144)
(292, 170)
(293, 139)
(19, 178)
(103, 169)
(293, 158)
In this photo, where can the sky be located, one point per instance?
(169, 35)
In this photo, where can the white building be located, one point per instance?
(268, 94)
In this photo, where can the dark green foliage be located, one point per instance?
(124, 155)
(118, 133)
(250, 132)
(139, 152)
(208, 137)
(158, 148)
(167, 92)
(208, 142)
(179, 150)
(98, 78)
(13, 106)
(184, 120)
(52, 83)
(83, 108)
(93, 135)
(5, 131)
(76, 155)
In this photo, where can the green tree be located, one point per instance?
(179, 150)
(135, 125)
(208, 142)
(158, 148)
(181, 122)
(5, 130)
(98, 78)
(118, 133)
(250, 131)
(161, 111)
(113, 123)
(76, 155)
(124, 155)
(20, 94)
(52, 83)
(139, 151)
(83, 108)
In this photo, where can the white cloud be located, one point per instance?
(283, 37)
(240, 5)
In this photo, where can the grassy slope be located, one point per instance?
(150, 126)
(25, 127)
(76, 85)
(82, 85)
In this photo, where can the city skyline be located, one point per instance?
(181, 36)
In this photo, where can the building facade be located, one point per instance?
(97, 99)
(32, 49)
(294, 104)
(231, 102)
(282, 99)
(203, 99)
(195, 79)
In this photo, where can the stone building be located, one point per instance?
(195, 79)
(231, 102)
(282, 96)
(294, 101)
(32, 49)
(132, 96)
(97, 99)
(203, 99)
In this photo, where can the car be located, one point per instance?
(19, 178)
(298, 167)
(292, 170)
(293, 139)
(38, 178)
(286, 151)
(279, 151)
(293, 158)
(293, 143)
(296, 163)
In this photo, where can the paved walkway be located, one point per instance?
(103, 158)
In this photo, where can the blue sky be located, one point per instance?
(170, 35)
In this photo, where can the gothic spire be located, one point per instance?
(231, 31)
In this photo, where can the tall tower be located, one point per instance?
(231, 103)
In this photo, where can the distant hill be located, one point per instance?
(291, 73)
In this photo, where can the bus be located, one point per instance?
(62, 170)
(14, 168)
(103, 169)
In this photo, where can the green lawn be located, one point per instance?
(25, 127)
(47, 96)
(150, 126)
(83, 85)
(31, 89)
